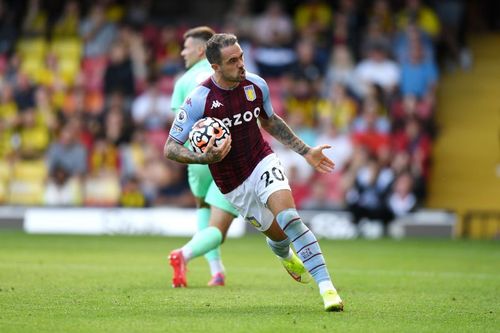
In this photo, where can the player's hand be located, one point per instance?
(216, 154)
(318, 160)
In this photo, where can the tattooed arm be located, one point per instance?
(177, 152)
(284, 134)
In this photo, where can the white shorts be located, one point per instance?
(251, 196)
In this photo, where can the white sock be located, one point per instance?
(216, 266)
(289, 256)
(325, 285)
(187, 253)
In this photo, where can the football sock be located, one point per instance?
(281, 249)
(216, 266)
(203, 219)
(305, 244)
(324, 286)
(202, 242)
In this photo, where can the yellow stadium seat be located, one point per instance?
(30, 170)
(67, 48)
(33, 66)
(3, 191)
(5, 170)
(25, 192)
(103, 191)
(33, 47)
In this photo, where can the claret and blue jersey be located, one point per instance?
(239, 109)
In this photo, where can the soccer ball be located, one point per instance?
(204, 129)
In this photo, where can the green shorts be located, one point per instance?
(203, 186)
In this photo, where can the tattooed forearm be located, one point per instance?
(181, 154)
(284, 134)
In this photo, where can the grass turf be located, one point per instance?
(122, 284)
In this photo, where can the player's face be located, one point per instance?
(232, 66)
(192, 52)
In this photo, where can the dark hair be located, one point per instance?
(204, 33)
(216, 43)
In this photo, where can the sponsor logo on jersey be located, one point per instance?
(250, 93)
(188, 102)
(177, 128)
(240, 118)
(181, 116)
(216, 104)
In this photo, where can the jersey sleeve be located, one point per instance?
(266, 98)
(191, 110)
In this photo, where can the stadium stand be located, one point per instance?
(363, 75)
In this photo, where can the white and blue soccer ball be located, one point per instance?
(204, 129)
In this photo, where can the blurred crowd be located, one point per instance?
(85, 98)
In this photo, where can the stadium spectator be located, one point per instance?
(68, 23)
(341, 70)
(377, 68)
(35, 21)
(8, 30)
(353, 23)
(416, 142)
(419, 76)
(273, 33)
(97, 32)
(303, 101)
(132, 195)
(452, 14)
(422, 15)
(62, 189)
(68, 152)
(371, 129)
(381, 12)
(119, 74)
(168, 50)
(401, 201)
(151, 109)
(331, 135)
(319, 198)
(313, 18)
(367, 199)
(337, 108)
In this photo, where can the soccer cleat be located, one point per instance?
(296, 269)
(179, 266)
(217, 280)
(332, 301)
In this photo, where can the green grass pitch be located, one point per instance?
(122, 284)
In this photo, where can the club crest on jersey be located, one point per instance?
(253, 221)
(250, 93)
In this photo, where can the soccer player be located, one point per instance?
(209, 200)
(245, 168)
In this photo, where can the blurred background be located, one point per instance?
(406, 92)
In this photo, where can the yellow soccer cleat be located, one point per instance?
(332, 301)
(296, 269)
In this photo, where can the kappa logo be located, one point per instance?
(216, 104)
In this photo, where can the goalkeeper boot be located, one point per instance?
(179, 266)
(217, 280)
(332, 301)
(296, 269)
